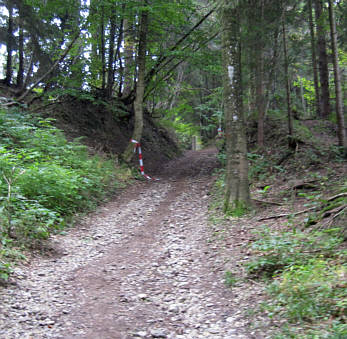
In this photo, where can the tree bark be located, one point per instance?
(128, 58)
(341, 132)
(110, 71)
(291, 141)
(118, 57)
(260, 99)
(20, 74)
(94, 68)
(140, 86)
(9, 46)
(323, 62)
(102, 48)
(237, 189)
(28, 73)
(314, 60)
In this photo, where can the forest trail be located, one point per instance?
(142, 266)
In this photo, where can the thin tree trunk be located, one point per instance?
(260, 100)
(303, 103)
(237, 189)
(273, 63)
(29, 72)
(323, 62)
(291, 141)
(20, 75)
(94, 67)
(341, 132)
(128, 58)
(110, 71)
(102, 48)
(314, 60)
(62, 57)
(176, 88)
(8, 78)
(119, 56)
(140, 86)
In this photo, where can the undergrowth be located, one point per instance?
(304, 266)
(308, 274)
(44, 180)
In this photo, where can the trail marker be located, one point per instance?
(142, 170)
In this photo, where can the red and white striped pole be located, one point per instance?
(142, 169)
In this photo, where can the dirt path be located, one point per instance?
(141, 266)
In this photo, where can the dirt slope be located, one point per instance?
(107, 127)
(143, 266)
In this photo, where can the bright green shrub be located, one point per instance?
(53, 186)
(43, 180)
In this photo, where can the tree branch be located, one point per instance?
(57, 62)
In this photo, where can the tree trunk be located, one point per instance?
(102, 49)
(314, 60)
(237, 194)
(110, 71)
(291, 141)
(119, 57)
(94, 63)
(260, 100)
(303, 102)
(28, 73)
(9, 70)
(341, 132)
(20, 74)
(323, 62)
(140, 86)
(62, 57)
(128, 58)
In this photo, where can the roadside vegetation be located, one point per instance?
(44, 181)
(297, 250)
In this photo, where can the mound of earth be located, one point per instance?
(107, 127)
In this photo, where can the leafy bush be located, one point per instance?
(43, 180)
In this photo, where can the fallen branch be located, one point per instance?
(306, 210)
(268, 202)
(344, 194)
(289, 214)
(338, 211)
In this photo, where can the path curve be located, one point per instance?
(141, 266)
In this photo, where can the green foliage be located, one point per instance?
(237, 210)
(309, 286)
(222, 157)
(230, 279)
(260, 167)
(309, 92)
(44, 179)
(312, 291)
(282, 250)
(184, 130)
